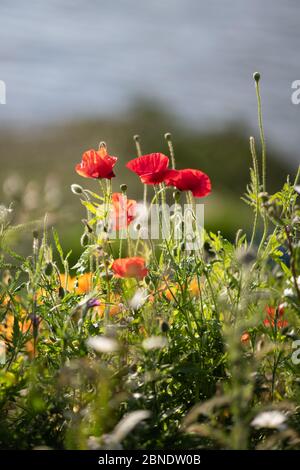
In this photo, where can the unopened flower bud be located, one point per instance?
(256, 76)
(49, 269)
(164, 326)
(264, 196)
(7, 277)
(176, 196)
(76, 189)
(102, 145)
(61, 292)
(123, 188)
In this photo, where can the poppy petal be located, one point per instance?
(148, 164)
(190, 180)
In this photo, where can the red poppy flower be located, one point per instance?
(96, 164)
(151, 168)
(245, 337)
(279, 323)
(130, 267)
(190, 180)
(273, 316)
(271, 311)
(124, 211)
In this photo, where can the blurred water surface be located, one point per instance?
(65, 59)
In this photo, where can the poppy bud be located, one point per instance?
(123, 188)
(176, 196)
(76, 189)
(84, 240)
(7, 277)
(102, 145)
(136, 138)
(61, 292)
(264, 196)
(164, 326)
(256, 76)
(168, 136)
(35, 234)
(49, 269)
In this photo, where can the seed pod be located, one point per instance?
(7, 277)
(76, 189)
(176, 196)
(49, 269)
(164, 326)
(264, 196)
(61, 292)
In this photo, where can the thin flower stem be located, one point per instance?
(168, 138)
(137, 142)
(297, 177)
(265, 233)
(262, 135)
(256, 177)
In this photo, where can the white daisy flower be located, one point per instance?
(269, 419)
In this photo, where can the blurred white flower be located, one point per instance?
(53, 194)
(112, 441)
(4, 213)
(127, 423)
(138, 299)
(13, 186)
(288, 292)
(270, 419)
(154, 342)
(31, 196)
(103, 344)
